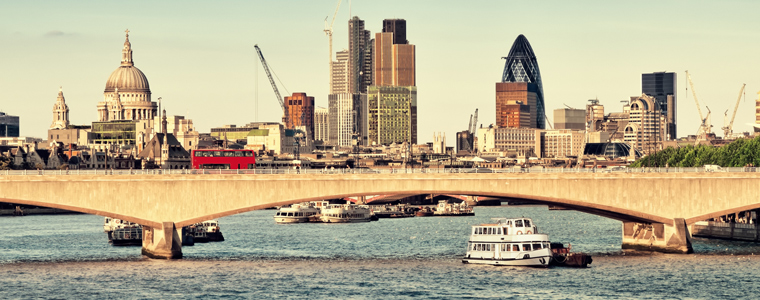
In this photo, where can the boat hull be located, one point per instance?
(541, 261)
(343, 220)
(290, 220)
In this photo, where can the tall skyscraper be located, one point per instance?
(343, 118)
(359, 52)
(398, 28)
(392, 99)
(522, 66)
(340, 73)
(394, 56)
(662, 86)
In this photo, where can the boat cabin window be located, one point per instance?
(526, 247)
(527, 223)
(498, 230)
(515, 247)
(506, 231)
(537, 246)
(509, 223)
(518, 223)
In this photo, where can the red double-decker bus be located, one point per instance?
(223, 159)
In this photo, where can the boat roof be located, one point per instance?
(500, 221)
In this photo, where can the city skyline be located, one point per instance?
(202, 53)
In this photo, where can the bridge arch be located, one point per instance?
(600, 210)
(84, 210)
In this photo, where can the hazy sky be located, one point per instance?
(199, 56)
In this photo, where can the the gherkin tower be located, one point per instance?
(522, 66)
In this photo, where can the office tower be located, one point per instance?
(321, 124)
(339, 79)
(594, 115)
(570, 118)
(522, 67)
(392, 114)
(300, 110)
(394, 57)
(9, 125)
(360, 57)
(646, 126)
(343, 118)
(662, 86)
(515, 104)
(392, 99)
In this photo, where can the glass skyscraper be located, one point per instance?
(522, 66)
(662, 86)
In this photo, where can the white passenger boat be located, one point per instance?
(508, 242)
(296, 213)
(345, 213)
(206, 231)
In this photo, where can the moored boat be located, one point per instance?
(296, 213)
(508, 242)
(128, 235)
(562, 256)
(345, 213)
(393, 211)
(445, 208)
(424, 212)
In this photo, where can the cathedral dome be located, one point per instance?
(127, 79)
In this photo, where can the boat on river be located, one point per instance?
(206, 231)
(345, 213)
(122, 232)
(296, 213)
(445, 208)
(508, 242)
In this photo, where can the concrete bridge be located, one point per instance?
(655, 208)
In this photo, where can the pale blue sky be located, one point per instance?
(199, 55)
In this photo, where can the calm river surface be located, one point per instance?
(68, 256)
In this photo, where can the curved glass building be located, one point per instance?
(522, 67)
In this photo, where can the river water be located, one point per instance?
(68, 256)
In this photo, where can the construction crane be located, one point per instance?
(274, 86)
(728, 130)
(329, 33)
(704, 128)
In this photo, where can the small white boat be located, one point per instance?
(345, 213)
(508, 242)
(206, 231)
(296, 213)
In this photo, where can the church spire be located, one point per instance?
(60, 112)
(126, 52)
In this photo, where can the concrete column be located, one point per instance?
(668, 238)
(164, 242)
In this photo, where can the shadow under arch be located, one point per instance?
(693, 220)
(591, 208)
(84, 210)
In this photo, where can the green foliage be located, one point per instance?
(739, 153)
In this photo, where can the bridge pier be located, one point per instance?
(668, 238)
(162, 242)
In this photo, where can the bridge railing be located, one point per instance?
(399, 170)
